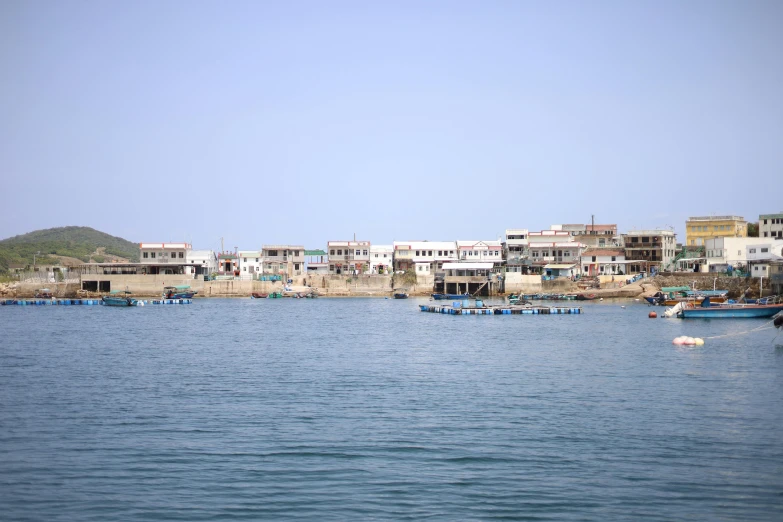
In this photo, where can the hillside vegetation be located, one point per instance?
(74, 242)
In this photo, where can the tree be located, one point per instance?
(753, 230)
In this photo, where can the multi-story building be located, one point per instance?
(652, 250)
(593, 236)
(250, 262)
(481, 251)
(425, 257)
(348, 257)
(516, 249)
(381, 259)
(701, 228)
(771, 226)
(762, 256)
(720, 253)
(160, 253)
(284, 260)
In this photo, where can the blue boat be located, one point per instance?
(763, 308)
(449, 297)
(118, 298)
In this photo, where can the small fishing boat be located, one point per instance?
(258, 295)
(400, 294)
(585, 297)
(662, 299)
(178, 292)
(448, 297)
(763, 308)
(43, 293)
(119, 298)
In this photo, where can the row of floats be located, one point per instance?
(465, 308)
(83, 302)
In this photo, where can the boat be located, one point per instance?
(399, 294)
(662, 299)
(43, 293)
(448, 297)
(763, 308)
(119, 298)
(258, 295)
(585, 297)
(178, 292)
(275, 295)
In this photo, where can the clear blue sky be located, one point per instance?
(301, 122)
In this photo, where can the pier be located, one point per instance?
(82, 302)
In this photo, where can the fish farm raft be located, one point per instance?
(458, 308)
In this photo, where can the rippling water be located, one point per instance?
(369, 409)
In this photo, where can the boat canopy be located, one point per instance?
(116, 292)
(179, 287)
(675, 289)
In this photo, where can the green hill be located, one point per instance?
(78, 242)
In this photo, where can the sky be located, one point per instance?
(303, 122)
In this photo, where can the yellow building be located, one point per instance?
(701, 228)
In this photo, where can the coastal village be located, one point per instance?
(591, 257)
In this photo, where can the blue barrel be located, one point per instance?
(465, 303)
(479, 304)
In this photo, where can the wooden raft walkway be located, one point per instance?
(501, 310)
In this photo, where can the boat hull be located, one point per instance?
(730, 311)
(448, 297)
(118, 301)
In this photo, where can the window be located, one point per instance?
(440, 252)
(430, 253)
(364, 253)
(765, 250)
(752, 250)
(765, 234)
(296, 266)
(765, 221)
(339, 252)
(614, 258)
(146, 253)
(244, 260)
(331, 268)
(256, 260)
(152, 255)
(358, 252)
(593, 259)
(418, 252)
(376, 256)
(244, 269)
(273, 253)
(331, 252)
(755, 268)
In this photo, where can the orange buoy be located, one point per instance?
(652, 315)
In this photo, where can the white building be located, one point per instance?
(251, 262)
(724, 252)
(603, 262)
(164, 252)
(760, 255)
(490, 251)
(417, 254)
(771, 226)
(381, 259)
(202, 262)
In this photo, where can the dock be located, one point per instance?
(501, 310)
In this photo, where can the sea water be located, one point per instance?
(340, 409)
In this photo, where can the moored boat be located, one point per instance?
(764, 308)
(178, 292)
(43, 293)
(258, 295)
(448, 297)
(400, 294)
(119, 298)
(585, 297)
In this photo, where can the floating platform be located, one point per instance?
(82, 302)
(501, 310)
(49, 302)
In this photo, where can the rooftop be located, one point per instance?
(716, 218)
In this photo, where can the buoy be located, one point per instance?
(678, 340)
(699, 341)
(652, 315)
(622, 306)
